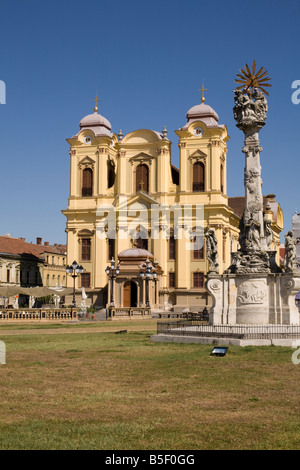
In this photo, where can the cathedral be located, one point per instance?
(137, 224)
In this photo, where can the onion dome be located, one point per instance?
(202, 111)
(97, 123)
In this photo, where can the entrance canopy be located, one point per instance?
(9, 291)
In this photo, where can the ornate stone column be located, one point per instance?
(254, 256)
(254, 290)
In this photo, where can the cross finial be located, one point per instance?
(96, 107)
(203, 90)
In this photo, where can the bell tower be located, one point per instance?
(202, 151)
(93, 161)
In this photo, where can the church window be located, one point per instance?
(111, 175)
(198, 279)
(172, 280)
(142, 178)
(87, 182)
(141, 243)
(85, 280)
(222, 178)
(172, 248)
(198, 177)
(86, 249)
(224, 249)
(198, 251)
(111, 248)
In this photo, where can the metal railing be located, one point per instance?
(200, 316)
(38, 314)
(195, 328)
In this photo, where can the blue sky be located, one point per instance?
(146, 61)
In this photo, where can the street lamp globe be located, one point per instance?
(74, 264)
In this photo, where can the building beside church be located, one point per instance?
(31, 264)
(130, 203)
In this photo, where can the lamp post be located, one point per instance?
(155, 264)
(148, 273)
(74, 270)
(112, 272)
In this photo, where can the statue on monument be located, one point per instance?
(212, 250)
(260, 105)
(250, 108)
(290, 252)
(268, 231)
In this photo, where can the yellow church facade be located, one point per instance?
(129, 203)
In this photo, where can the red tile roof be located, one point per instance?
(237, 204)
(18, 246)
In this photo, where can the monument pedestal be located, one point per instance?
(256, 299)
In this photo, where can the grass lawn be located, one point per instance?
(102, 390)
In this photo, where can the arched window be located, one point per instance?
(172, 248)
(198, 177)
(142, 178)
(222, 178)
(87, 182)
(111, 248)
(111, 174)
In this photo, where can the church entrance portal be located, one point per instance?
(130, 294)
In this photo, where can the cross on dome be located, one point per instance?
(203, 90)
(96, 107)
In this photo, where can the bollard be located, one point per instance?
(2, 353)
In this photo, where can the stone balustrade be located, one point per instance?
(38, 314)
(117, 313)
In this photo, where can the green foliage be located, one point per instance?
(91, 309)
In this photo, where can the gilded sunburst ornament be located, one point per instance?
(251, 80)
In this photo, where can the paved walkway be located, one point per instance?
(76, 329)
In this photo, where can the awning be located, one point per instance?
(9, 291)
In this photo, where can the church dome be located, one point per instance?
(97, 123)
(204, 113)
(201, 111)
(135, 253)
(95, 120)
